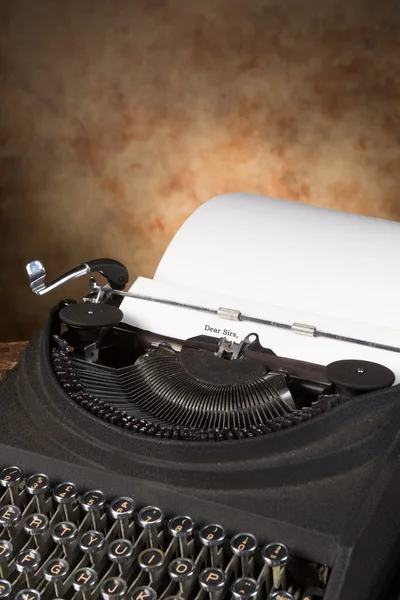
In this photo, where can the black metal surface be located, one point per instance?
(328, 488)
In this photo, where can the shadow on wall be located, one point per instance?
(118, 119)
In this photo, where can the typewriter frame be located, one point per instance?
(339, 508)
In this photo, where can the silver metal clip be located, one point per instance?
(302, 329)
(228, 313)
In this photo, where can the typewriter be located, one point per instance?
(226, 430)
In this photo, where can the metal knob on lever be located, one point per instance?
(114, 271)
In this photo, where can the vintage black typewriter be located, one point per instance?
(210, 464)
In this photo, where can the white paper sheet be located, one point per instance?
(282, 261)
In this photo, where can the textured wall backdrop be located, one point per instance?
(119, 117)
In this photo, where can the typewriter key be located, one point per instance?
(38, 485)
(143, 593)
(121, 552)
(65, 533)
(182, 527)
(212, 580)
(84, 580)
(55, 571)
(5, 589)
(245, 588)
(282, 595)
(27, 594)
(66, 494)
(276, 556)
(92, 542)
(10, 516)
(36, 525)
(12, 478)
(151, 561)
(122, 510)
(93, 502)
(151, 519)
(244, 546)
(27, 561)
(182, 570)
(113, 589)
(212, 536)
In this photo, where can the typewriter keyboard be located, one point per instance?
(60, 542)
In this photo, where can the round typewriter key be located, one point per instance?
(92, 541)
(245, 587)
(143, 593)
(36, 525)
(65, 493)
(27, 594)
(10, 515)
(27, 561)
(84, 580)
(150, 516)
(65, 533)
(244, 546)
(113, 589)
(180, 527)
(12, 478)
(93, 502)
(151, 561)
(38, 485)
(5, 589)
(122, 510)
(276, 556)
(56, 569)
(212, 536)
(282, 595)
(181, 569)
(212, 581)
(151, 519)
(120, 550)
(151, 558)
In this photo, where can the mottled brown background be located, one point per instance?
(119, 117)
